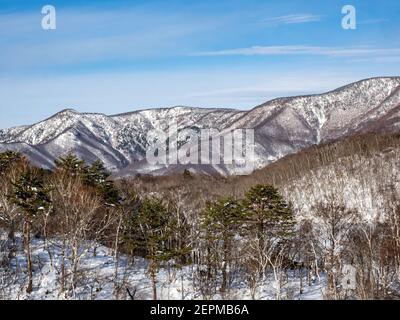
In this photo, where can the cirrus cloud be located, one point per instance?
(363, 51)
(294, 18)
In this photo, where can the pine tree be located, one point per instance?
(31, 195)
(71, 164)
(221, 221)
(12, 164)
(269, 212)
(148, 231)
(97, 176)
(270, 227)
(7, 159)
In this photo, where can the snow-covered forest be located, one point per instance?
(288, 231)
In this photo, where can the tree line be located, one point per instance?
(252, 241)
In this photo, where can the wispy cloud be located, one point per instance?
(294, 18)
(96, 36)
(373, 21)
(379, 59)
(305, 50)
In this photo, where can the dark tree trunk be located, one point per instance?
(153, 275)
(27, 240)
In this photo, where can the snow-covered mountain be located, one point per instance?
(281, 126)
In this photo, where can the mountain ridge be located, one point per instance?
(282, 126)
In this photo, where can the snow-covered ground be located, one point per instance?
(97, 277)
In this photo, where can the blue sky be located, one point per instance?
(118, 56)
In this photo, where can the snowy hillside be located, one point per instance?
(282, 126)
(362, 183)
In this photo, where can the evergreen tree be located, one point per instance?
(269, 212)
(97, 176)
(31, 195)
(12, 164)
(221, 221)
(71, 164)
(148, 231)
(7, 159)
(270, 226)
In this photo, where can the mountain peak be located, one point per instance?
(281, 126)
(68, 111)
